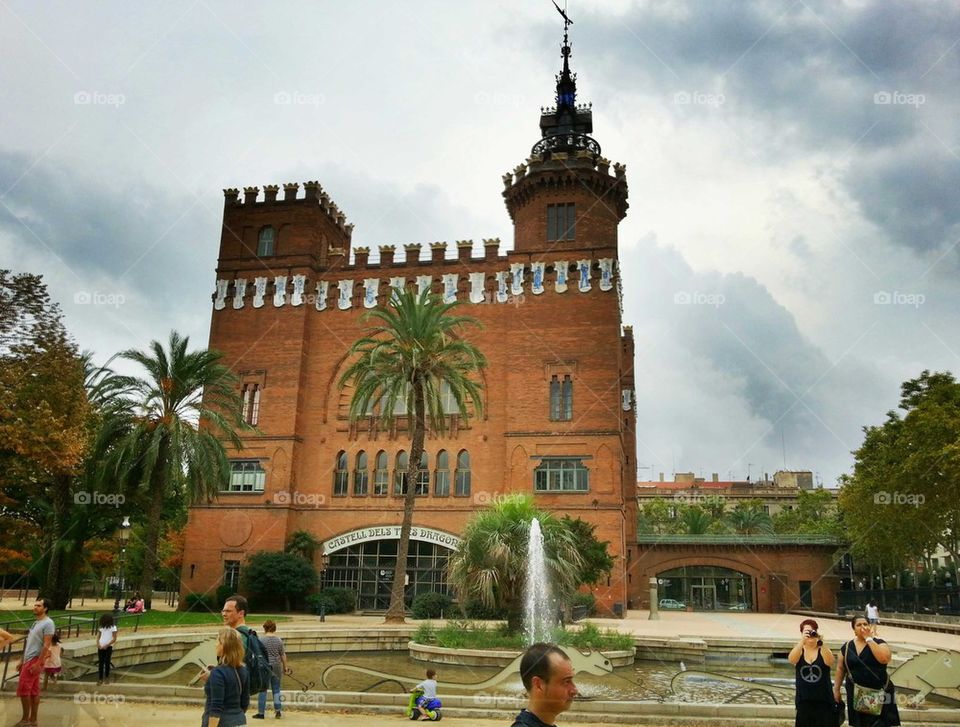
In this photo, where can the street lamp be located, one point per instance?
(124, 534)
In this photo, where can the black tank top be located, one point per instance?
(813, 680)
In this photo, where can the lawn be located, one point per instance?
(164, 619)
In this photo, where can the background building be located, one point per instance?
(558, 421)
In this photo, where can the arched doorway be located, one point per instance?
(367, 566)
(707, 588)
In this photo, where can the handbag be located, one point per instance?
(869, 701)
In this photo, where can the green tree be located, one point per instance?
(270, 576)
(303, 544)
(903, 497)
(749, 518)
(490, 565)
(597, 562)
(655, 517)
(184, 405)
(694, 520)
(409, 358)
(815, 512)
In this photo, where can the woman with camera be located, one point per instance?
(812, 660)
(871, 701)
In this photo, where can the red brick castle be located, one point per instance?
(559, 421)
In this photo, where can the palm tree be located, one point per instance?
(750, 520)
(695, 520)
(183, 406)
(409, 357)
(490, 565)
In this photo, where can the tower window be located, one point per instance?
(442, 483)
(561, 398)
(265, 242)
(423, 475)
(381, 475)
(561, 224)
(566, 474)
(250, 396)
(400, 473)
(462, 475)
(246, 475)
(361, 477)
(340, 476)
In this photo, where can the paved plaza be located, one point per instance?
(751, 627)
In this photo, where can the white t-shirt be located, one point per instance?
(873, 613)
(106, 636)
(429, 687)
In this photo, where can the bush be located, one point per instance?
(277, 578)
(425, 634)
(476, 610)
(590, 637)
(333, 600)
(199, 602)
(431, 605)
(223, 592)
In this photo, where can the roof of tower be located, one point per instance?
(567, 126)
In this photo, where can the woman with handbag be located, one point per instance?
(862, 664)
(227, 684)
(815, 703)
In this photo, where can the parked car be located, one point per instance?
(669, 604)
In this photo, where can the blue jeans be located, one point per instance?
(262, 697)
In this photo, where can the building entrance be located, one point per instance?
(367, 568)
(707, 588)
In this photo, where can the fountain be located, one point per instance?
(538, 615)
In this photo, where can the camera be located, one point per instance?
(814, 635)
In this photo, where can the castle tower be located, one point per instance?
(564, 196)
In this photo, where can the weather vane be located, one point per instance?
(566, 20)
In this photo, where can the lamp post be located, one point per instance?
(124, 534)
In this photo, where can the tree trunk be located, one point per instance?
(396, 613)
(57, 587)
(157, 491)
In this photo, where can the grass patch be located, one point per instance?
(471, 635)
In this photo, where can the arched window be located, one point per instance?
(361, 477)
(423, 475)
(561, 398)
(341, 476)
(265, 242)
(400, 473)
(462, 487)
(441, 487)
(381, 475)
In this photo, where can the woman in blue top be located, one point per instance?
(815, 703)
(228, 684)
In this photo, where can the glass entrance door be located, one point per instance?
(704, 597)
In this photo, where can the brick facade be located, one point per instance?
(293, 348)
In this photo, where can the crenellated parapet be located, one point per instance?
(566, 171)
(313, 194)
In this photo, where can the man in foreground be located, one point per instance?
(35, 652)
(547, 676)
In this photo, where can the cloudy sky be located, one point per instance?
(791, 250)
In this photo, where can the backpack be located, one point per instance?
(256, 661)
